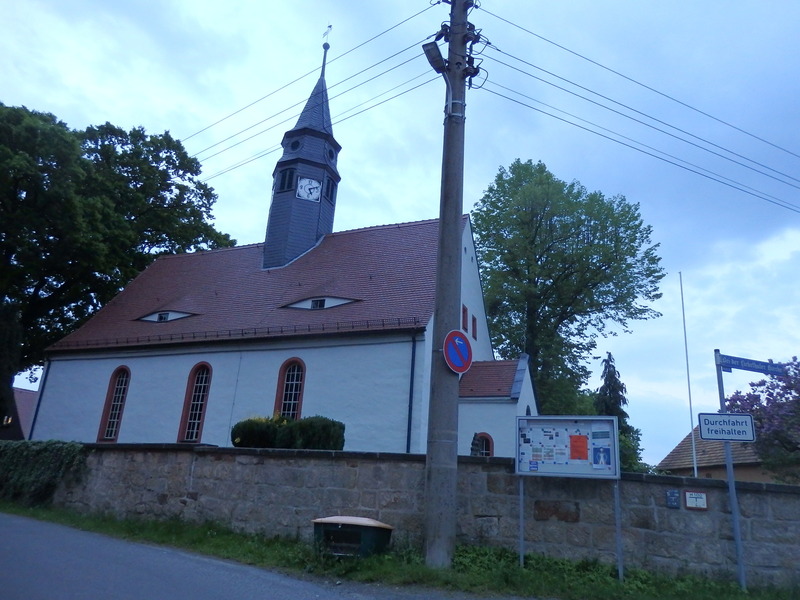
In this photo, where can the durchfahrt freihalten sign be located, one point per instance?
(727, 427)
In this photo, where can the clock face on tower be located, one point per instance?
(308, 189)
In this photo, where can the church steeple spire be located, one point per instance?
(304, 181)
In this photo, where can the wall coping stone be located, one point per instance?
(674, 480)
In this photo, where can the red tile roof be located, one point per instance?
(489, 379)
(709, 453)
(389, 271)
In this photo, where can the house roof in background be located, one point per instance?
(709, 453)
(389, 273)
(489, 379)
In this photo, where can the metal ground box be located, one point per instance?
(351, 536)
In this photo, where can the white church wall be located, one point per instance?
(472, 298)
(363, 381)
(72, 411)
(492, 416)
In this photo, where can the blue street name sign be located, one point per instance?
(747, 364)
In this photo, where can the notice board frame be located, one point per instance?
(568, 446)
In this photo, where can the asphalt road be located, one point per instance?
(44, 561)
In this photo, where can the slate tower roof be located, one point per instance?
(305, 181)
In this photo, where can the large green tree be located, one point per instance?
(81, 213)
(560, 266)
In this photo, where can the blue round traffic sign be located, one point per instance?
(457, 351)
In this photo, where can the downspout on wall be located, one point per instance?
(411, 390)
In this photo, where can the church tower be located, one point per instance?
(304, 181)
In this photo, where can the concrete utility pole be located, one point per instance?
(442, 455)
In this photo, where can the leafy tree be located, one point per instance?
(559, 264)
(775, 406)
(81, 213)
(609, 401)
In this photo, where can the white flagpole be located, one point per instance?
(688, 380)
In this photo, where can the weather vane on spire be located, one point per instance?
(325, 47)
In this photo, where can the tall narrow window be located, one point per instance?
(194, 404)
(285, 180)
(464, 317)
(474, 328)
(289, 397)
(115, 403)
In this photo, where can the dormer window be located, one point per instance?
(164, 316)
(319, 303)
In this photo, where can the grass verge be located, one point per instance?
(479, 570)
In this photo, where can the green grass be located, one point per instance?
(480, 570)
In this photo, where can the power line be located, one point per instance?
(414, 45)
(642, 144)
(264, 153)
(710, 143)
(718, 179)
(315, 70)
(645, 86)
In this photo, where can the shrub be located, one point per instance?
(310, 433)
(31, 471)
(318, 432)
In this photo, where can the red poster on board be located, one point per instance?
(579, 447)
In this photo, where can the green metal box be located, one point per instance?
(351, 536)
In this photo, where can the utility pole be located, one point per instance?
(441, 467)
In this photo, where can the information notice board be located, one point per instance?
(568, 446)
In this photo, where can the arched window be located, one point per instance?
(115, 404)
(289, 395)
(194, 404)
(485, 444)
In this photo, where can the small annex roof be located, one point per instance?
(490, 379)
(709, 453)
(387, 271)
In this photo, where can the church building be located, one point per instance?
(310, 322)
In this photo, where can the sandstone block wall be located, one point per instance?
(279, 492)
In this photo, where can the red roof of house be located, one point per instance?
(489, 379)
(388, 271)
(710, 453)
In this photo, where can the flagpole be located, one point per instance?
(688, 380)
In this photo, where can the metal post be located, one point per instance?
(521, 540)
(618, 531)
(737, 533)
(442, 450)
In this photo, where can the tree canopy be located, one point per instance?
(560, 265)
(81, 213)
(775, 406)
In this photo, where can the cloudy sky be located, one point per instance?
(687, 108)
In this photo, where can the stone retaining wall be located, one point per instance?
(279, 492)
